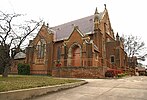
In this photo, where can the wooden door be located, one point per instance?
(76, 57)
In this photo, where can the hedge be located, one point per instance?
(23, 69)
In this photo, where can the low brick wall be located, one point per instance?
(79, 72)
(39, 72)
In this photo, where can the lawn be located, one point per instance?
(15, 82)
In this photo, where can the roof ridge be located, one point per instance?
(71, 21)
(75, 20)
(85, 25)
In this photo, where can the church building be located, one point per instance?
(84, 48)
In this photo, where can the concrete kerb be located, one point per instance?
(32, 92)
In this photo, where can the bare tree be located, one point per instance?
(12, 36)
(135, 49)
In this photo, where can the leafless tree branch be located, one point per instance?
(10, 35)
(134, 47)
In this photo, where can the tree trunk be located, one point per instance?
(5, 72)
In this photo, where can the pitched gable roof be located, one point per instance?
(85, 25)
(20, 55)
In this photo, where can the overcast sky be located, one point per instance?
(126, 16)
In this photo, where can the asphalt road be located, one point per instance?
(130, 88)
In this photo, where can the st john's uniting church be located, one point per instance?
(85, 47)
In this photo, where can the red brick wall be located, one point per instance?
(79, 72)
(39, 72)
(38, 69)
(14, 65)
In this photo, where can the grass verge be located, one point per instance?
(15, 82)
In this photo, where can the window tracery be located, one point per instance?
(41, 48)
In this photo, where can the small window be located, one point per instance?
(112, 59)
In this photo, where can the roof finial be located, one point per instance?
(105, 6)
(43, 23)
(117, 35)
(76, 27)
(47, 24)
(96, 11)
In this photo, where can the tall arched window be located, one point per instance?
(58, 53)
(41, 46)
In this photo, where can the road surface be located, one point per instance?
(130, 88)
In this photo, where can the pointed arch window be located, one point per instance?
(41, 46)
(58, 53)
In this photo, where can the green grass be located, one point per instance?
(15, 82)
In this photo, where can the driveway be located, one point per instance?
(130, 88)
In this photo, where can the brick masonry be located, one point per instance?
(79, 72)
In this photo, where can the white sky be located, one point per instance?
(126, 16)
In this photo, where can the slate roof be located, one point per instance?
(20, 55)
(85, 25)
(141, 68)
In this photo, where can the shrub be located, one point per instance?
(121, 75)
(145, 73)
(23, 69)
(113, 72)
(109, 73)
(142, 73)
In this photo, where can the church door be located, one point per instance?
(76, 61)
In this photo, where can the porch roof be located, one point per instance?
(20, 55)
